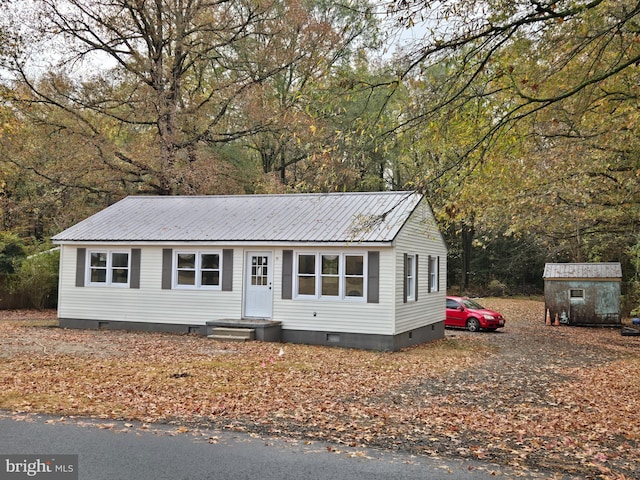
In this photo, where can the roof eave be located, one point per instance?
(247, 243)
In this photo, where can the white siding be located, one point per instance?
(339, 316)
(149, 303)
(420, 236)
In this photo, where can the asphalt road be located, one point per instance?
(122, 451)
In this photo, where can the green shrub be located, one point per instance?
(11, 252)
(631, 300)
(497, 289)
(37, 278)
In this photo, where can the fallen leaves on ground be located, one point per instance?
(560, 399)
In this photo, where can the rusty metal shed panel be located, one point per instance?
(583, 293)
(582, 270)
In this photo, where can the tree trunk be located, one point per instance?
(468, 232)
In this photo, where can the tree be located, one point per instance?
(631, 301)
(526, 61)
(543, 96)
(569, 174)
(357, 151)
(594, 40)
(435, 160)
(297, 104)
(175, 77)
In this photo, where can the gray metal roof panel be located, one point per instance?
(583, 270)
(333, 217)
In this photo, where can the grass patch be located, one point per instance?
(33, 322)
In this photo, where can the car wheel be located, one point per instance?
(473, 325)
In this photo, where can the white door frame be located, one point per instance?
(258, 284)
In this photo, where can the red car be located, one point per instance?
(469, 314)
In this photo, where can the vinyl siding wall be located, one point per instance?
(149, 303)
(420, 236)
(340, 316)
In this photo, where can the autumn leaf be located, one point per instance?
(558, 399)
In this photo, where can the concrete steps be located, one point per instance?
(232, 334)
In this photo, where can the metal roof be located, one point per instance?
(582, 270)
(330, 217)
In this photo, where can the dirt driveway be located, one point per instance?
(548, 401)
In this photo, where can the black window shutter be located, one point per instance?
(438, 274)
(167, 261)
(134, 281)
(429, 273)
(287, 274)
(227, 270)
(404, 279)
(81, 258)
(373, 277)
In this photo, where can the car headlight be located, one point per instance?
(489, 317)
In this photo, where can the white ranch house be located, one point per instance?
(364, 270)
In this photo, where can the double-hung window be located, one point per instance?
(354, 275)
(433, 274)
(197, 269)
(108, 267)
(306, 275)
(330, 275)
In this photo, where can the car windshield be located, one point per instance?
(467, 302)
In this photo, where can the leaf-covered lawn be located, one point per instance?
(561, 399)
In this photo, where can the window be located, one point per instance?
(330, 275)
(330, 278)
(259, 270)
(210, 269)
(576, 294)
(186, 269)
(306, 275)
(354, 275)
(108, 268)
(452, 304)
(410, 278)
(197, 269)
(433, 274)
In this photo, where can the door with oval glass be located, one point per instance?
(258, 297)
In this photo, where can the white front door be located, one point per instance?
(258, 297)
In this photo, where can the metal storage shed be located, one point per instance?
(583, 293)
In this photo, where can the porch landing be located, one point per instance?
(265, 330)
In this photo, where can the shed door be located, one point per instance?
(258, 299)
(578, 308)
